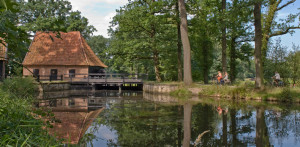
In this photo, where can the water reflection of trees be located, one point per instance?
(283, 124)
(226, 129)
(144, 124)
(141, 123)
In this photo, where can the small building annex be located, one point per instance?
(68, 55)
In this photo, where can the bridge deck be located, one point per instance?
(107, 81)
(96, 78)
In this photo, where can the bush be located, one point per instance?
(239, 92)
(286, 95)
(20, 122)
(181, 93)
(20, 87)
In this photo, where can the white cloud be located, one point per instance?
(98, 12)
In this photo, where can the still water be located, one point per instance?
(107, 118)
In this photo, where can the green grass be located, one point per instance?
(247, 90)
(20, 122)
(182, 93)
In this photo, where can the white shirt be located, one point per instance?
(277, 76)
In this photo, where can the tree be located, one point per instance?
(294, 63)
(224, 40)
(258, 45)
(202, 36)
(239, 31)
(52, 15)
(10, 34)
(277, 61)
(186, 44)
(76, 22)
(272, 28)
(99, 45)
(144, 31)
(179, 45)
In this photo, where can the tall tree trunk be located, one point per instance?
(224, 62)
(258, 44)
(156, 66)
(186, 44)
(205, 60)
(232, 59)
(273, 4)
(179, 53)
(187, 108)
(155, 51)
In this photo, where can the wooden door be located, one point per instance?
(53, 75)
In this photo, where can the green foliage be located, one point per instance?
(294, 64)
(277, 61)
(286, 95)
(19, 87)
(216, 90)
(182, 93)
(99, 45)
(12, 36)
(52, 15)
(143, 38)
(20, 124)
(203, 35)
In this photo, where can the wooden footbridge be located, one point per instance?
(98, 79)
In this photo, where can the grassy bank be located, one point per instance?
(243, 90)
(20, 123)
(246, 90)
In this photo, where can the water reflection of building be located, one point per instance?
(77, 112)
(75, 115)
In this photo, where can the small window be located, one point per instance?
(71, 102)
(36, 72)
(72, 73)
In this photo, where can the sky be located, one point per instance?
(98, 12)
(101, 12)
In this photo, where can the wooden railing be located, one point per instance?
(94, 77)
(106, 78)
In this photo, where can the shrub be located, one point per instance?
(239, 92)
(20, 123)
(19, 87)
(286, 95)
(181, 93)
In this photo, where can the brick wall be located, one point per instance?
(61, 70)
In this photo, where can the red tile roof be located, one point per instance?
(69, 49)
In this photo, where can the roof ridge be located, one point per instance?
(83, 50)
(29, 48)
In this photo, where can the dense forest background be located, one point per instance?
(145, 36)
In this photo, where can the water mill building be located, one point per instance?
(64, 56)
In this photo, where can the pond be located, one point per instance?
(107, 118)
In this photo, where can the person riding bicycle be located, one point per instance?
(276, 78)
(226, 80)
(219, 76)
